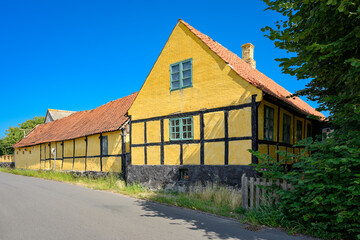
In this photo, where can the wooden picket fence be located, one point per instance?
(253, 196)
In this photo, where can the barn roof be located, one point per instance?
(106, 118)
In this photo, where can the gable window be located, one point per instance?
(286, 128)
(181, 128)
(104, 145)
(298, 130)
(268, 123)
(181, 75)
(308, 134)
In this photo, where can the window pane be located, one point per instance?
(177, 135)
(172, 135)
(187, 74)
(184, 135)
(186, 65)
(189, 128)
(187, 82)
(189, 120)
(177, 122)
(184, 120)
(175, 84)
(175, 76)
(175, 68)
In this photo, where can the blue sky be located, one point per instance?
(77, 55)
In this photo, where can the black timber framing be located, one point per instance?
(162, 141)
(254, 128)
(202, 148)
(181, 154)
(101, 151)
(254, 137)
(73, 154)
(86, 150)
(145, 141)
(62, 152)
(40, 156)
(226, 140)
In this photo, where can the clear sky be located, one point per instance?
(77, 55)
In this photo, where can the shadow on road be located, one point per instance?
(212, 226)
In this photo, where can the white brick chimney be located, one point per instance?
(248, 54)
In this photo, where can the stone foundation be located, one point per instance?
(7, 164)
(168, 177)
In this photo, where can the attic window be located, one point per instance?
(181, 75)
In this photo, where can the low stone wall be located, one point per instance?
(162, 176)
(7, 164)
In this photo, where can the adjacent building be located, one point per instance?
(85, 141)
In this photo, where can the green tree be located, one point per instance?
(15, 134)
(324, 37)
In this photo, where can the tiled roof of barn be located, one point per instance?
(253, 76)
(106, 118)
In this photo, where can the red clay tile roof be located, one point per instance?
(253, 76)
(106, 118)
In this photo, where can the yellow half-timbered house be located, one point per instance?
(202, 108)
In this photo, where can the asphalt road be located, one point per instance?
(32, 208)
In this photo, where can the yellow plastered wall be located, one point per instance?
(214, 153)
(240, 123)
(6, 158)
(59, 150)
(153, 131)
(153, 155)
(214, 125)
(137, 156)
(238, 152)
(111, 164)
(191, 154)
(43, 151)
(28, 157)
(94, 145)
(68, 152)
(114, 142)
(137, 133)
(172, 154)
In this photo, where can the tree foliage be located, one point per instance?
(325, 39)
(15, 134)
